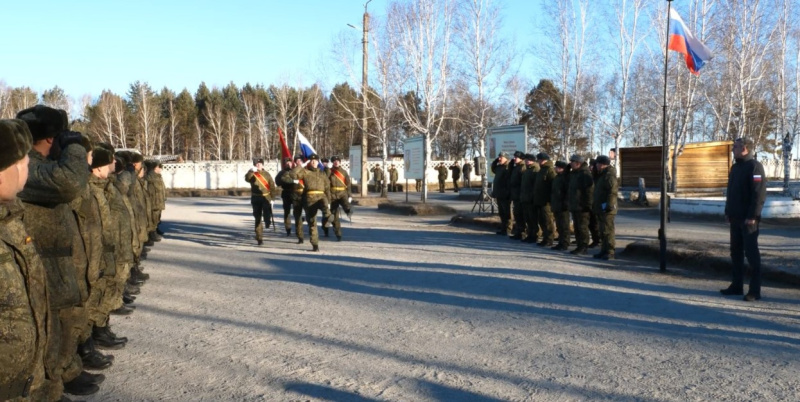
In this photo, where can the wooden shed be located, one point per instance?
(702, 166)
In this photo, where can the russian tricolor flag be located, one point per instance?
(306, 149)
(682, 41)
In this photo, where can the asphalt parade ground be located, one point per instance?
(413, 308)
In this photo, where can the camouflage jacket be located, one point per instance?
(157, 190)
(24, 306)
(90, 230)
(527, 187)
(56, 182)
(393, 175)
(101, 191)
(122, 181)
(288, 188)
(559, 200)
(605, 192)
(580, 189)
(140, 210)
(442, 173)
(544, 184)
(316, 184)
(515, 181)
(337, 185)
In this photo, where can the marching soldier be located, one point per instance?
(316, 196)
(341, 197)
(261, 188)
(455, 175)
(544, 184)
(286, 194)
(580, 201)
(605, 205)
(23, 313)
(297, 195)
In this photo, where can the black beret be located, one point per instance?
(542, 156)
(519, 154)
(576, 158)
(44, 122)
(335, 158)
(15, 142)
(313, 157)
(562, 164)
(603, 160)
(101, 157)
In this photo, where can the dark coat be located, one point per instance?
(747, 189)
(606, 190)
(544, 184)
(580, 189)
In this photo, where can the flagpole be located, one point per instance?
(662, 231)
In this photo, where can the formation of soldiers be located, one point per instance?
(76, 221)
(535, 199)
(305, 188)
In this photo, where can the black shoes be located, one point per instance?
(594, 244)
(132, 289)
(326, 231)
(501, 232)
(136, 272)
(731, 291)
(133, 280)
(338, 238)
(288, 232)
(123, 310)
(91, 358)
(105, 339)
(751, 297)
(299, 241)
(579, 251)
(78, 388)
(89, 378)
(314, 247)
(516, 237)
(128, 299)
(260, 242)
(544, 243)
(159, 232)
(559, 247)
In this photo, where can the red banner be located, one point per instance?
(284, 148)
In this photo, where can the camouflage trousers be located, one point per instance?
(606, 229)
(580, 223)
(562, 226)
(338, 204)
(546, 223)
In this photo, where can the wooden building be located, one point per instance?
(702, 167)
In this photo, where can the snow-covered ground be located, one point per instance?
(413, 309)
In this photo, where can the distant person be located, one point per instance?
(287, 195)
(455, 175)
(316, 197)
(517, 168)
(377, 175)
(559, 202)
(544, 187)
(340, 196)
(580, 201)
(442, 169)
(747, 191)
(393, 176)
(418, 185)
(526, 197)
(467, 170)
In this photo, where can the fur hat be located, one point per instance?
(603, 160)
(120, 164)
(86, 143)
(576, 158)
(336, 158)
(125, 156)
(136, 157)
(530, 157)
(15, 141)
(519, 154)
(44, 122)
(542, 156)
(503, 155)
(101, 157)
(562, 164)
(106, 146)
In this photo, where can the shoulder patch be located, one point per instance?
(757, 178)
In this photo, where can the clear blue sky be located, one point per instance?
(86, 46)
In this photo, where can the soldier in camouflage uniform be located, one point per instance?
(261, 189)
(341, 197)
(316, 197)
(501, 193)
(52, 184)
(514, 185)
(157, 192)
(378, 177)
(297, 195)
(24, 310)
(286, 195)
(544, 186)
(393, 176)
(580, 201)
(559, 202)
(442, 169)
(527, 193)
(605, 205)
(125, 179)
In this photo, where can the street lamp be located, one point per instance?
(364, 59)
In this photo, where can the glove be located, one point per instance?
(349, 200)
(296, 181)
(67, 138)
(603, 206)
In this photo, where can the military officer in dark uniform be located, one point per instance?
(544, 187)
(316, 196)
(455, 175)
(747, 191)
(515, 187)
(261, 188)
(559, 202)
(340, 196)
(501, 193)
(604, 205)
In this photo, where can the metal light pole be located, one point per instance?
(662, 231)
(365, 57)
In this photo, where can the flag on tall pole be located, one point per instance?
(682, 40)
(305, 146)
(285, 153)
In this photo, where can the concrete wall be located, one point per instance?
(774, 207)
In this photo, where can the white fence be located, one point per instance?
(774, 169)
(223, 175)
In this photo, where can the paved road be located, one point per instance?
(413, 309)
